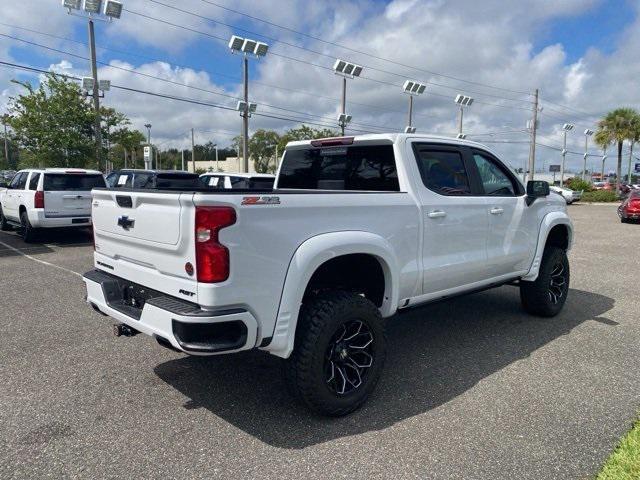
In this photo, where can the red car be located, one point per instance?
(630, 208)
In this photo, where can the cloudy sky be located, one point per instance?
(583, 55)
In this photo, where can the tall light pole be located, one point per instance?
(604, 157)
(345, 70)
(462, 101)
(567, 127)
(412, 89)
(247, 47)
(587, 134)
(94, 10)
(215, 145)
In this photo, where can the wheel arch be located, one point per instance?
(309, 259)
(556, 229)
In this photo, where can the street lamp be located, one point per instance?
(412, 89)
(92, 10)
(345, 70)
(567, 127)
(587, 134)
(247, 47)
(463, 101)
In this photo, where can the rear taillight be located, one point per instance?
(38, 199)
(634, 203)
(212, 258)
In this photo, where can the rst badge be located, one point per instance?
(260, 200)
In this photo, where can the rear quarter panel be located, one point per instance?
(265, 238)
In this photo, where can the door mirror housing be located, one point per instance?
(536, 189)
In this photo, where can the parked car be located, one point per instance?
(48, 198)
(569, 195)
(356, 229)
(238, 181)
(153, 179)
(629, 210)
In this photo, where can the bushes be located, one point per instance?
(577, 184)
(600, 196)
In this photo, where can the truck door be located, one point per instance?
(13, 195)
(455, 219)
(511, 237)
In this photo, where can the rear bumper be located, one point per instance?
(39, 220)
(183, 325)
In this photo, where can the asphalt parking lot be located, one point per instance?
(473, 388)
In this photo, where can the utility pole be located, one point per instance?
(604, 157)
(193, 151)
(217, 168)
(460, 117)
(343, 103)
(534, 131)
(245, 117)
(410, 124)
(630, 162)
(183, 159)
(564, 156)
(96, 93)
(5, 119)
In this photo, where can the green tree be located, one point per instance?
(304, 133)
(128, 144)
(615, 128)
(262, 146)
(634, 138)
(53, 124)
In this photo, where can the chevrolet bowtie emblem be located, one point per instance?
(125, 222)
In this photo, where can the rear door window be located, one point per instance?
(361, 168)
(75, 182)
(33, 183)
(443, 170)
(15, 181)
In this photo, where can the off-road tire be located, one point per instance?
(321, 318)
(541, 297)
(27, 232)
(4, 225)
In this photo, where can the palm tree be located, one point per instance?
(633, 139)
(615, 128)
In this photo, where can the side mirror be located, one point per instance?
(536, 189)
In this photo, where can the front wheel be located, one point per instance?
(339, 353)
(548, 293)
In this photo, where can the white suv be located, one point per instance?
(48, 198)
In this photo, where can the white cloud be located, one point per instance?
(489, 43)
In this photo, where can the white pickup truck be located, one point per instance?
(38, 199)
(355, 229)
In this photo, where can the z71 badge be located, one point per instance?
(260, 200)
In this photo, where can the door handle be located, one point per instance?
(496, 211)
(436, 214)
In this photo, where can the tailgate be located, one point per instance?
(69, 194)
(147, 238)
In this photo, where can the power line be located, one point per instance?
(181, 99)
(315, 52)
(176, 64)
(306, 62)
(165, 80)
(327, 42)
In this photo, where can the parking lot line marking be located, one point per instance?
(9, 247)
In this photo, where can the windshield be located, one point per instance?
(63, 182)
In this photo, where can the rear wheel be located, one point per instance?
(339, 353)
(4, 225)
(548, 293)
(27, 232)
